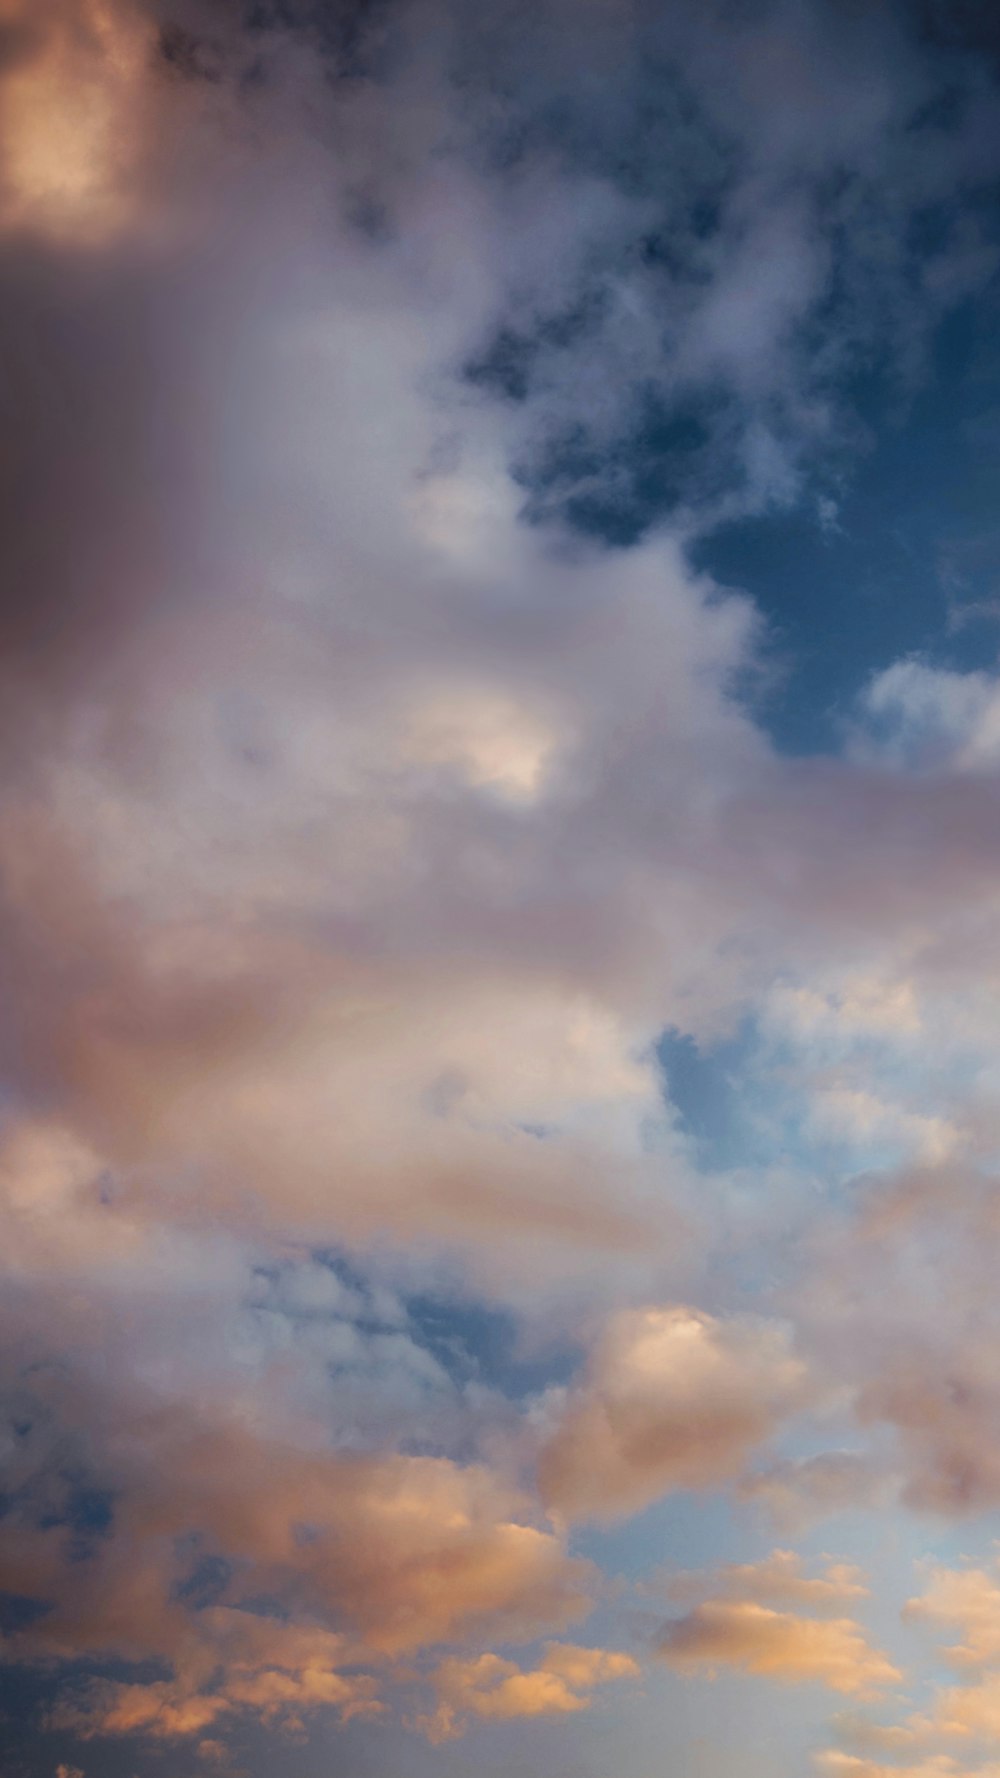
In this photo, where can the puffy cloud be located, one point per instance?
(931, 719)
(358, 840)
(742, 1624)
(861, 1735)
(401, 1553)
(276, 1670)
(968, 1711)
(493, 1689)
(72, 115)
(777, 1645)
(966, 1600)
(672, 1398)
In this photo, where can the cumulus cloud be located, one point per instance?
(741, 1620)
(966, 1601)
(72, 115)
(229, 1558)
(922, 1237)
(277, 1671)
(493, 1689)
(969, 1599)
(673, 1398)
(777, 1645)
(931, 719)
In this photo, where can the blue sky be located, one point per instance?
(907, 564)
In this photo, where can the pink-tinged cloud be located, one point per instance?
(672, 1398)
(488, 1688)
(363, 827)
(778, 1645)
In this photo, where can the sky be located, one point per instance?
(499, 889)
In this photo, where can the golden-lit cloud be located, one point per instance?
(488, 740)
(847, 1765)
(963, 1601)
(366, 822)
(968, 1600)
(775, 1619)
(72, 115)
(277, 1671)
(778, 1579)
(673, 1398)
(489, 1688)
(407, 1553)
(777, 1645)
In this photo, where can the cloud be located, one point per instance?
(742, 1623)
(966, 1600)
(230, 1561)
(492, 1689)
(72, 116)
(367, 816)
(673, 1398)
(777, 1645)
(931, 719)
(278, 1672)
(381, 1534)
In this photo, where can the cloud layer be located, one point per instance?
(382, 782)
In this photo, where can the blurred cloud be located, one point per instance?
(741, 1624)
